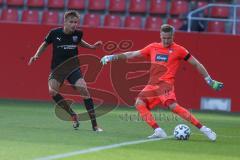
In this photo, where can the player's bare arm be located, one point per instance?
(125, 55)
(85, 44)
(202, 70)
(39, 52)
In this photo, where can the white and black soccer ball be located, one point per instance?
(182, 132)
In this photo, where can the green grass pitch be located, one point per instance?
(31, 130)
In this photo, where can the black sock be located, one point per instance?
(90, 108)
(63, 104)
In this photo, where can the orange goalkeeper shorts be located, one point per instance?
(153, 95)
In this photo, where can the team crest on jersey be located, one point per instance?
(170, 51)
(75, 38)
(161, 57)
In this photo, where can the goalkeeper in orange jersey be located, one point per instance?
(165, 59)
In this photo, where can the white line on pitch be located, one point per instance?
(95, 149)
(219, 135)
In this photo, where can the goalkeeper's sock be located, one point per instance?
(147, 116)
(90, 109)
(185, 114)
(63, 104)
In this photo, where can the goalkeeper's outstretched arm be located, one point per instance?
(202, 70)
(125, 55)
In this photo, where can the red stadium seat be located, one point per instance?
(56, 4)
(220, 12)
(179, 7)
(1, 2)
(175, 22)
(117, 5)
(50, 17)
(30, 16)
(9, 15)
(92, 20)
(133, 22)
(216, 26)
(76, 4)
(153, 23)
(198, 3)
(202, 4)
(97, 5)
(35, 3)
(17, 3)
(112, 21)
(158, 7)
(138, 6)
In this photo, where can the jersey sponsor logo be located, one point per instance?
(70, 47)
(75, 38)
(58, 38)
(161, 57)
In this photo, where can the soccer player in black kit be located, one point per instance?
(65, 65)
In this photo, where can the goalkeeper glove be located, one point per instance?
(213, 83)
(107, 59)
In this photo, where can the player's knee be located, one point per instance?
(139, 102)
(172, 106)
(171, 103)
(52, 92)
(81, 84)
(81, 87)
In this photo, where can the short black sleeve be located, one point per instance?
(49, 37)
(187, 56)
(80, 35)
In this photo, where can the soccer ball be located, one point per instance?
(182, 132)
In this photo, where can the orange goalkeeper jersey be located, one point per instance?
(164, 61)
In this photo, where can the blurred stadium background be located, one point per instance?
(29, 128)
(137, 14)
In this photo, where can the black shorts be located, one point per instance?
(71, 77)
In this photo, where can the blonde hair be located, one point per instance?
(166, 28)
(71, 13)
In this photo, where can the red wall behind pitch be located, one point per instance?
(218, 53)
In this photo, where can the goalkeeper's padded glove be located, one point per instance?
(214, 84)
(107, 59)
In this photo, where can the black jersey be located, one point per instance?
(65, 46)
